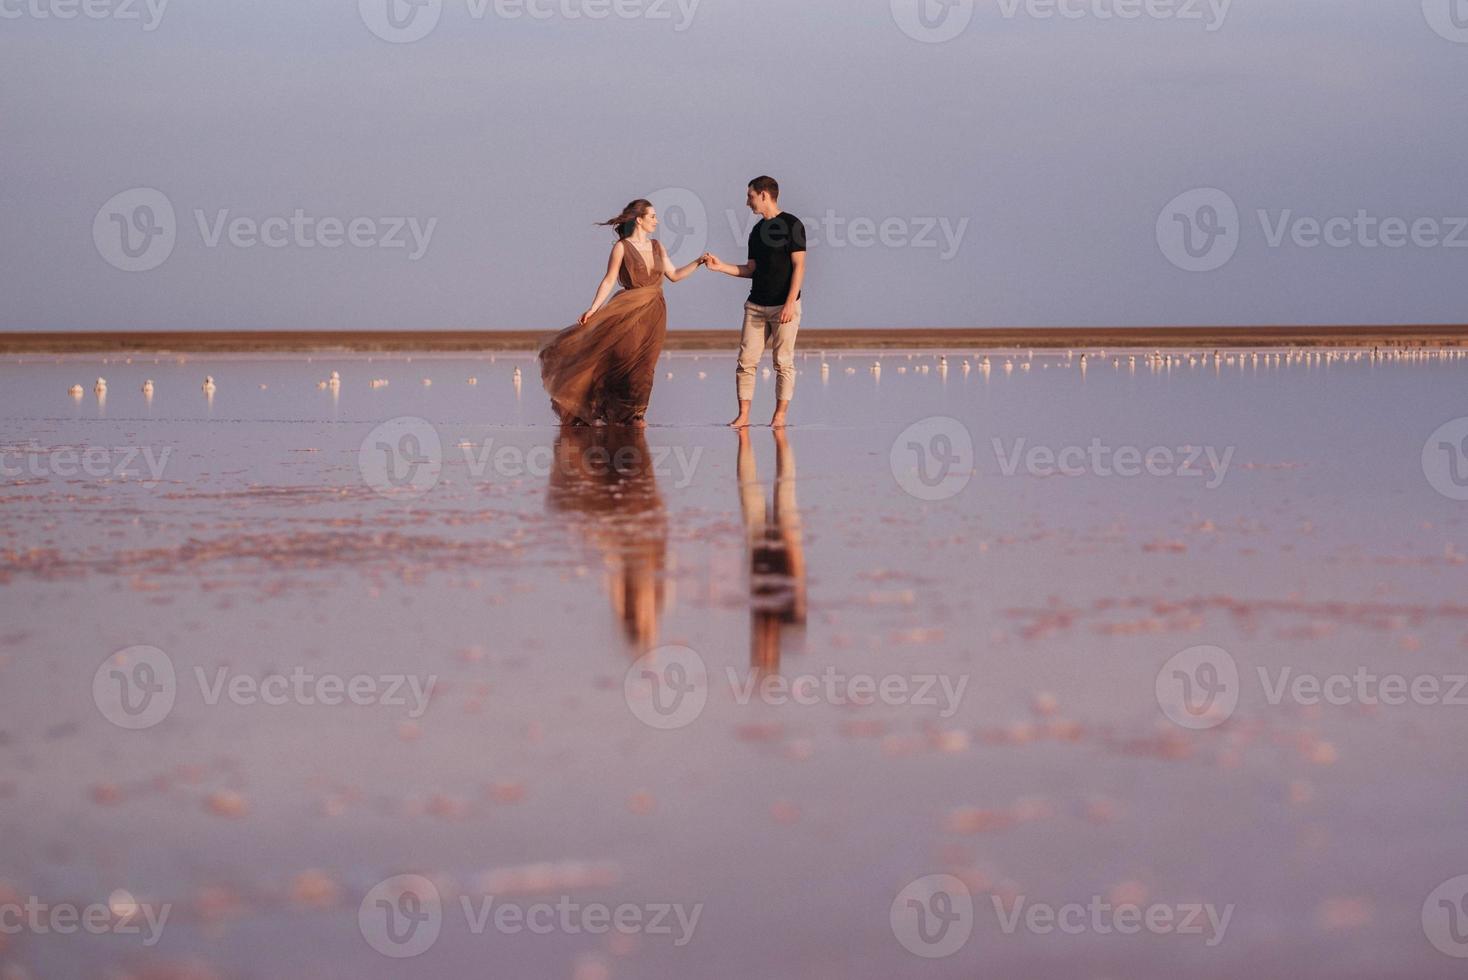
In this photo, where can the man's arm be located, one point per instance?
(797, 279)
(745, 271)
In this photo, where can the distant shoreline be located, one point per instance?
(988, 338)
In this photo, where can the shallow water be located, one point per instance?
(1031, 738)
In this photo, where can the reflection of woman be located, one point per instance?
(605, 475)
(776, 553)
(601, 368)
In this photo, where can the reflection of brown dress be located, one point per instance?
(602, 371)
(605, 476)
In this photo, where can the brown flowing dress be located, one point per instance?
(602, 370)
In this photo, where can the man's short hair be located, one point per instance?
(766, 185)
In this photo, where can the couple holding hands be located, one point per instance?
(600, 370)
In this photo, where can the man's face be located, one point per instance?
(752, 199)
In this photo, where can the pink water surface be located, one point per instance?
(524, 597)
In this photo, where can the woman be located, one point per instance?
(600, 370)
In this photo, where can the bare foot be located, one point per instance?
(778, 422)
(740, 422)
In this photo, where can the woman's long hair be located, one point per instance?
(626, 222)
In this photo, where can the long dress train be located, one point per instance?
(602, 371)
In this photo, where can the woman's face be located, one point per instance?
(648, 223)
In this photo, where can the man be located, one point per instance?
(772, 314)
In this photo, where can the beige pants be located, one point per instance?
(762, 326)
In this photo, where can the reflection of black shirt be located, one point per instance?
(772, 586)
(771, 244)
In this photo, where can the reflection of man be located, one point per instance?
(776, 554)
(604, 474)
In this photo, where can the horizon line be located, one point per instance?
(866, 338)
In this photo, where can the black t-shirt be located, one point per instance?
(771, 244)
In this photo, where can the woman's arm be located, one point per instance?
(678, 275)
(608, 281)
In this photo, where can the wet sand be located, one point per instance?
(1040, 338)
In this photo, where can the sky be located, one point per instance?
(440, 164)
